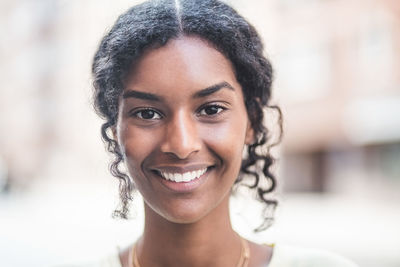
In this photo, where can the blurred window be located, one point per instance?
(303, 71)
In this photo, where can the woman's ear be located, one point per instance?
(114, 133)
(249, 139)
(250, 133)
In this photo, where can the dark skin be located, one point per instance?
(182, 116)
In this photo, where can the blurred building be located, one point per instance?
(338, 80)
(49, 129)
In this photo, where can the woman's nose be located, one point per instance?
(181, 137)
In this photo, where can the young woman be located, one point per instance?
(182, 86)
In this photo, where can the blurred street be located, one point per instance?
(72, 223)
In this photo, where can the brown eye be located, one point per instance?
(147, 114)
(211, 110)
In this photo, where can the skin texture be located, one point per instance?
(184, 128)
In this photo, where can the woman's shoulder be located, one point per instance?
(289, 256)
(283, 256)
(110, 260)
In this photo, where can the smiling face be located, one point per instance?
(182, 127)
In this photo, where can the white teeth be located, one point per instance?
(186, 176)
(178, 177)
(183, 177)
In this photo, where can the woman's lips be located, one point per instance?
(178, 180)
(182, 177)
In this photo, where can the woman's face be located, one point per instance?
(182, 127)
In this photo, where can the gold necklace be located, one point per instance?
(243, 260)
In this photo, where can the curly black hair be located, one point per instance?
(151, 25)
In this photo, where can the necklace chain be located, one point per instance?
(243, 260)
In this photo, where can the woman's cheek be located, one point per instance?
(227, 138)
(135, 143)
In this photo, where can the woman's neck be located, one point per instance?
(210, 241)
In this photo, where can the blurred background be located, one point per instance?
(337, 66)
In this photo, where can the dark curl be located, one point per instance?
(152, 24)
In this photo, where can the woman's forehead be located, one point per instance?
(184, 61)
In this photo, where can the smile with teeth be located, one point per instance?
(183, 177)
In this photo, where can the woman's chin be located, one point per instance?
(182, 213)
(184, 216)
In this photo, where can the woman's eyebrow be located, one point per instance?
(212, 89)
(140, 95)
(202, 93)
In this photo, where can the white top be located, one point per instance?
(283, 256)
(287, 256)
